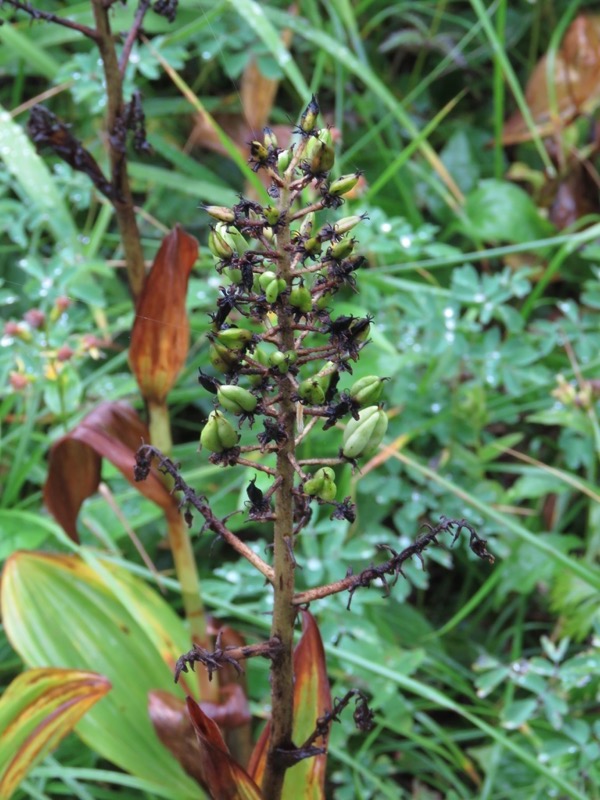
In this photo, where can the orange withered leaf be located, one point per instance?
(112, 431)
(161, 331)
(312, 698)
(222, 777)
(575, 83)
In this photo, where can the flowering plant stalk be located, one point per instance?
(278, 350)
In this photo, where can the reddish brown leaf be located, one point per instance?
(312, 698)
(221, 776)
(112, 431)
(161, 331)
(576, 82)
(175, 730)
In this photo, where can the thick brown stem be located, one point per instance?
(282, 670)
(123, 203)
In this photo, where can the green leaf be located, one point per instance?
(498, 211)
(38, 709)
(115, 624)
(34, 178)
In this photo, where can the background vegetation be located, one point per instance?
(482, 239)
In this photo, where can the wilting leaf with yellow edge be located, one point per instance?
(39, 708)
(161, 331)
(59, 610)
(312, 698)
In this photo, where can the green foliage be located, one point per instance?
(487, 327)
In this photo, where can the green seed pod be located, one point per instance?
(269, 235)
(342, 249)
(311, 392)
(222, 213)
(284, 159)
(266, 278)
(309, 115)
(347, 223)
(273, 291)
(307, 224)
(234, 338)
(236, 399)
(233, 238)
(363, 436)
(323, 158)
(313, 246)
(259, 152)
(218, 434)
(360, 329)
(301, 298)
(325, 136)
(282, 361)
(270, 138)
(233, 275)
(218, 246)
(261, 358)
(344, 184)
(271, 214)
(323, 301)
(325, 375)
(223, 358)
(367, 390)
(322, 484)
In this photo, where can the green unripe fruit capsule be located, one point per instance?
(313, 246)
(236, 399)
(273, 291)
(346, 224)
(311, 391)
(325, 136)
(271, 214)
(233, 238)
(281, 361)
(309, 115)
(322, 484)
(269, 235)
(283, 160)
(360, 329)
(233, 275)
(342, 248)
(266, 278)
(218, 246)
(301, 299)
(270, 138)
(363, 436)
(259, 152)
(307, 224)
(234, 338)
(367, 390)
(222, 213)
(344, 184)
(222, 358)
(218, 434)
(324, 300)
(322, 159)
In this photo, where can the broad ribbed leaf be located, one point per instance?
(112, 431)
(39, 708)
(161, 331)
(312, 698)
(222, 777)
(57, 610)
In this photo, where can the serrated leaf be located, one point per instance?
(58, 610)
(312, 698)
(39, 708)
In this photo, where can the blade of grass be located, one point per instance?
(34, 179)
(24, 47)
(195, 102)
(439, 699)
(363, 72)
(498, 88)
(581, 570)
(511, 79)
